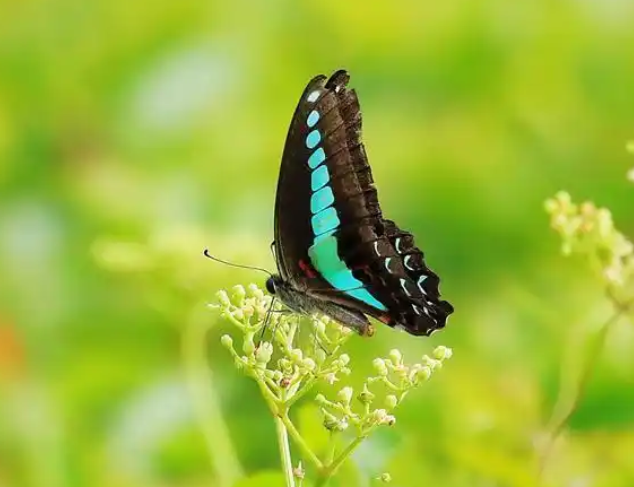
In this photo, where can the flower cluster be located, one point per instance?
(589, 230)
(397, 380)
(300, 352)
(283, 365)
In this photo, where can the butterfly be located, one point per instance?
(335, 253)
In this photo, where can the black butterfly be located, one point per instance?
(335, 252)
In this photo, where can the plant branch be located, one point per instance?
(567, 404)
(285, 451)
(301, 443)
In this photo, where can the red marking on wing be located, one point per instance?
(307, 268)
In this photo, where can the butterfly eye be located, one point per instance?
(270, 285)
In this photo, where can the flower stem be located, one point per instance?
(568, 399)
(285, 452)
(329, 470)
(301, 443)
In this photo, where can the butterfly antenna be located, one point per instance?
(253, 268)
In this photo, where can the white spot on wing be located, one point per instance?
(387, 264)
(421, 280)
(312, 97)
(404, 287)
(406, 262)
(397, 244)
(416, 310)
(376, 247)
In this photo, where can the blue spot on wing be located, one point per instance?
(312, 139)
(322, 199)
(316, 158)
(319, 178)
(325, 221)
(313, 118)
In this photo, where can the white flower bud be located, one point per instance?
(345, 395)
(344, 359)
(223, 298)
(331, 378)
(297, 355)
(396, 357)
(309, 364)
(379, 366)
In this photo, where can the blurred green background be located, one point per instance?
(134, 134)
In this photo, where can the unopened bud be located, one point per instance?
(391, 401)
(345, 395)
(379, 366)
(226, 341)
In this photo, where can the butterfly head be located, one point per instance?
(273, 283)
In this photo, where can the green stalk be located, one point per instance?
(568, 400)
(285, 452)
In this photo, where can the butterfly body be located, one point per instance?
(335, 252)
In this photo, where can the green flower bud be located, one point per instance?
(345, 371)
(379, 366)
(441, 352)
(320, 399)
(391, 401)
(239, 293)
(424, 373)
(309, 364)
(238, 314)
(366, 396)
(248, 346)
(263, 353)
(344, 359)
(396, 357)
(345, 395)
(226, 341)
(296, 355)
(331, 423)
(223, 298)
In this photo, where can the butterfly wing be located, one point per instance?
(330, 235)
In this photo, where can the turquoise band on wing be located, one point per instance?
(325, 257)
(324, 253)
